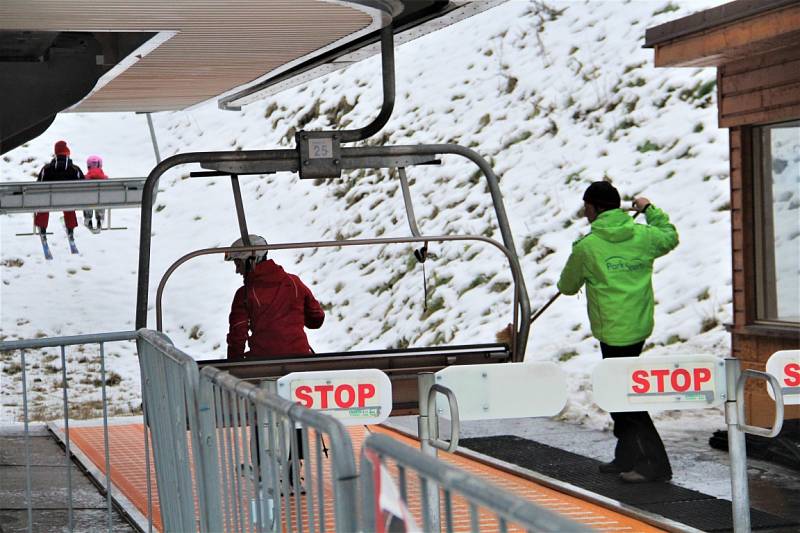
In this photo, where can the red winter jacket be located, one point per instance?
(96, 173)
(274, 305)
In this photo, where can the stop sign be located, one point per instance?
(355, 397)
(653, 383)
(785, 365)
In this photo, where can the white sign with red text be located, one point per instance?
(659, 383)
(354, 397)
(503, 390)
(785, 366)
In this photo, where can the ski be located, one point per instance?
(72, 247)
(46, 248)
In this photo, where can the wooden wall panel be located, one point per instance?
(760, 89)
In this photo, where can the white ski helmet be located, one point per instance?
(257, 255)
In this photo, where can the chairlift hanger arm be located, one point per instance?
(387, 69)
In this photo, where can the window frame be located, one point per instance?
(765, 280)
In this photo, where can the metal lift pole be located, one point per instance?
(153, 137)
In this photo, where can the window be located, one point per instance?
(777, 222)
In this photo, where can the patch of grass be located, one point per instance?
(673, 339)
(724, 207)
(525, 135)
(499, 286)
(12, 263)
(634, 66)
(709, 323)
(13, 368)
(566, 356)
(670, 7)
(477, 281)
(698, 127)
(648, 146)
(544, 253)
(112, 380)
(574, 176)
(271, 108)
(705, 295)
(529, 244)
(434, 305)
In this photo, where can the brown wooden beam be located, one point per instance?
(717, 46)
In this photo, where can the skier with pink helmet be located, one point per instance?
(94, 171)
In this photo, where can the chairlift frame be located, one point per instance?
(335, 158)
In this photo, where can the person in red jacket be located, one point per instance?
(271, 309)
(94, 171)
(59, 169)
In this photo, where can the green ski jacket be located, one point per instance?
(615, 261)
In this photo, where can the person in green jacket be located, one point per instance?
(615, 262)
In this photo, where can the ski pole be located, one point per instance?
(555, 297)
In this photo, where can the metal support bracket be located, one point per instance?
(320, 154)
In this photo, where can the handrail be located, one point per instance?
(69, 340)
(455, 422)
(776, 389)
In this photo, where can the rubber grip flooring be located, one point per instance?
(686, 506)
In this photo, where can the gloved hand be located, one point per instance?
(640, 203)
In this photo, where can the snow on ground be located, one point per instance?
(555, 94)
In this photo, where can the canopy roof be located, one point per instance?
(155, 55)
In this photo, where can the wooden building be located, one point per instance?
(755, 45)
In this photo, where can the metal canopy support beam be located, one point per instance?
(31, 197)
(387, 70)
(288, 160)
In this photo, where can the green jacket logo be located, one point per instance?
(620, 264)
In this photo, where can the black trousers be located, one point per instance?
(638, 445)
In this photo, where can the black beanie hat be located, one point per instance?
(602, 195)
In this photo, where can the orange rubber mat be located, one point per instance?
(128, 476)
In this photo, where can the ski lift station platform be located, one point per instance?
(307, 442)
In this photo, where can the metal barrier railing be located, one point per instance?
(24, 368)
(488, 506)
(169, 394)
(272, 460)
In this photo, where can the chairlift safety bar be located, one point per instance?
(31, 197)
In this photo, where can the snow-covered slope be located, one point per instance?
(554, 94)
